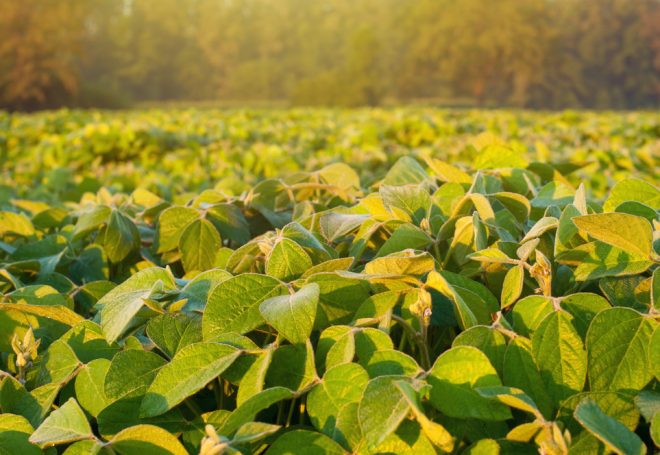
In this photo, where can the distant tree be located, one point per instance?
(524, 53)
(39, 47)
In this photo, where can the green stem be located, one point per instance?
(402, 343)
(280, 413)
(418, 338)
(424, 345)
(219, 394)
(192, 406)
(292, 406)
(436, 250)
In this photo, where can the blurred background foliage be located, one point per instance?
(522, 53)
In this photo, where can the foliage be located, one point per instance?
(467, 301)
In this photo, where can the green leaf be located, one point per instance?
(171, 224)
(57, 313)
(89, 386)
(124, 413)
(251, 407)
(64, 425)
(233, 305)
(560, 356)
(483, 447)
(608, 430)
(655, 430)
(292, 366)
(146, 439)
(304, 442)
(435, 432)
(84, 447)
(406, 170)
(229, 220)
(88, 343)
(463, 312)
(171, 332)
(340, 175)
(121, 304)
(521, 371)
(42, 255)
(529, 312)
(597, 260)
(199, 243)
(407, 439)
(121, 237)
(512, 397)
(14, 433)
(130, 374)
(630, 233)
(333, 265)
(189, 371)
(196, 291)
(638, 209)
(455, 376)
(448, 173)
(287, 260)
(488, 340)
(254, 431)
(405, 236)
(391, 362)
(515, 203)
(312, 245)
(495, 156)
(583, 306)
(633, 190)
(13, 422)
(58, 365)
(339, 298)
(618, 405)
(91, 220)
(621, 291)
(460, 282)
(618, 343)
(336, 346)
(405, 262)
(347, 430)
(382, 408)
(15, 224)
(648, 403)
(335, 225)
(491, 255)
(340, 386)
(15, 399)
(254, 378)
(293, 315)
(512, 286)
(413, 200)
(567, 230)
(554, 193)
(542, 226)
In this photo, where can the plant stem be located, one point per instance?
(219, 393)
(192, 406)
(280, 413)
(418, 338)
(292, 406)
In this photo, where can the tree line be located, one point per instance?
(521, 53)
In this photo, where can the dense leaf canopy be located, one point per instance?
(502, 296)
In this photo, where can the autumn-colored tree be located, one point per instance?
(526, 53)
(39, 47)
